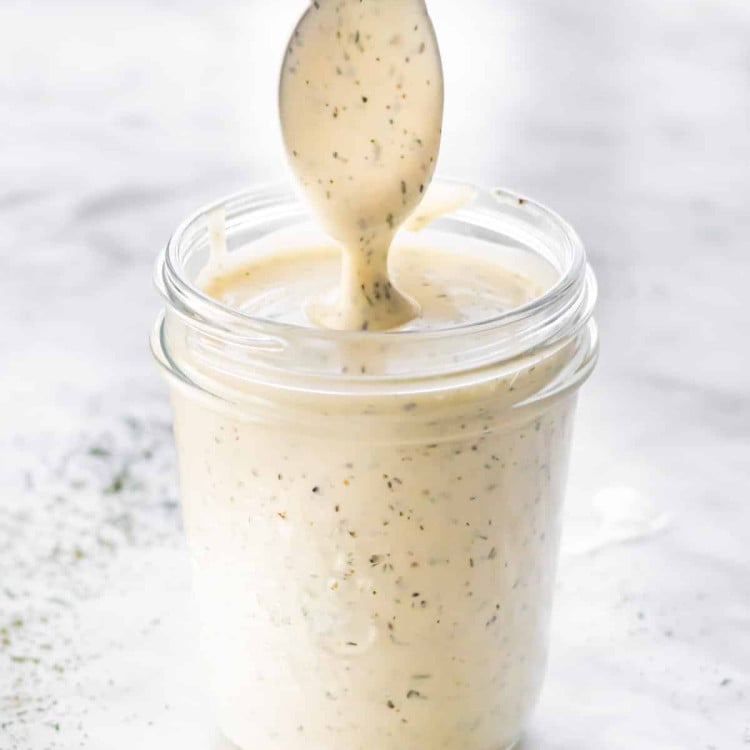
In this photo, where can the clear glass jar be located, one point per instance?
(374, 549)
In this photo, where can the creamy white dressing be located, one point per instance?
(361, 106)
(375, 571)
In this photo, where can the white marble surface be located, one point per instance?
(632, 119)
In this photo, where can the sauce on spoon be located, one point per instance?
(361, 106)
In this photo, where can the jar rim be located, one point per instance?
(555, 316)
(172, 284)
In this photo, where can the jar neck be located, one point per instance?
(220, 350)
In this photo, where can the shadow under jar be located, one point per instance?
(374, 548)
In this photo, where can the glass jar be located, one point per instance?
(374, 547)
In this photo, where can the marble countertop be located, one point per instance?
(631, 119)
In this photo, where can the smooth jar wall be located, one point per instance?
(374, 552)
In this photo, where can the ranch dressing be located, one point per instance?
(375, 571)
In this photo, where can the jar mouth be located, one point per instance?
(495, 216)
(172, 282)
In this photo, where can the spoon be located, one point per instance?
(361, 108)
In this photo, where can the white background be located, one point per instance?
(632, 119)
